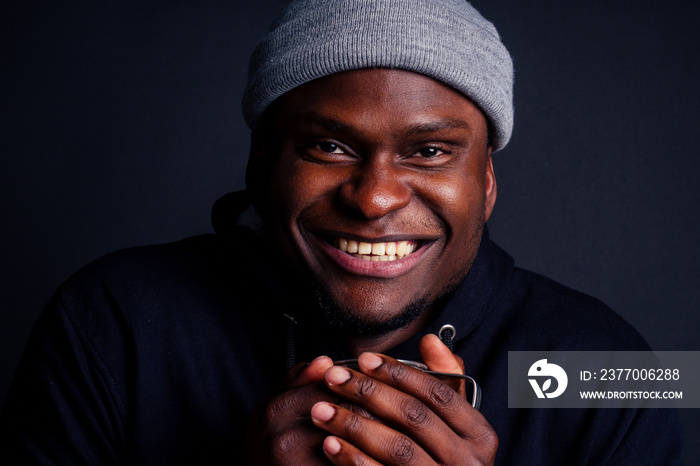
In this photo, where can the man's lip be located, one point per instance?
(374, 269)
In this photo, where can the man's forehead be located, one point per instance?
(378, 93)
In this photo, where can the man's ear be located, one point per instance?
(490, 185)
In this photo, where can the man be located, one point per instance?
(361, 236)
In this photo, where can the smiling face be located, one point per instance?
(376, 183)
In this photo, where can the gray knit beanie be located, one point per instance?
(447, 40)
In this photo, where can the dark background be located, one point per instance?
(120, 125)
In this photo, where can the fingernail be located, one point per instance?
(320, 358)
(369, 361)
(337, 375)
(331, 445)
(322, 412)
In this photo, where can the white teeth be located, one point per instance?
(401, 248)
(389, 251)
(364, 248)
(378, 249)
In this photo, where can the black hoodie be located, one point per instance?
(158, 355)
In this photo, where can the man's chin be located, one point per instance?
(349, 322)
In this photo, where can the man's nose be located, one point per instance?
(375, 190)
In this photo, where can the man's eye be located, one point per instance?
(430, 152)
(330, 147)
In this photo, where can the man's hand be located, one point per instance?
(419, 419)
(280, 430)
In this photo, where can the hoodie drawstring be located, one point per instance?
(447, 333)
(291, 350)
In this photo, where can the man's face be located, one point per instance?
(378, 187)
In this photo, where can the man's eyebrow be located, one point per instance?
(438, 125)
(328, 123)
(418, 129)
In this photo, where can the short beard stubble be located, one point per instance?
(339, 318)
(346, 321)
